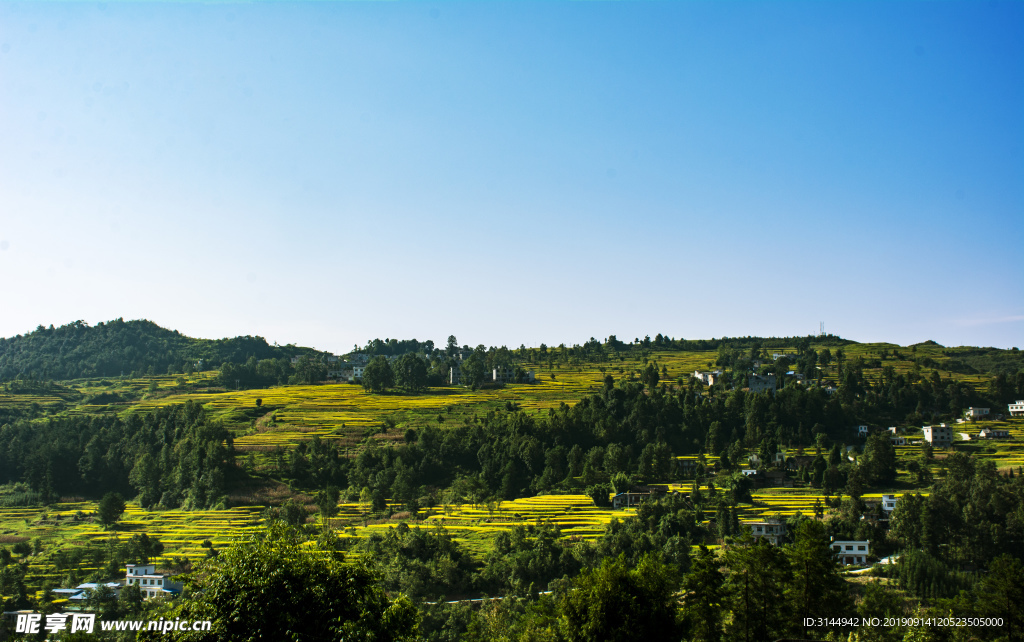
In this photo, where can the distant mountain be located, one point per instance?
(109, 349)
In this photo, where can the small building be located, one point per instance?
(707, 377)
(759, 383)
(938, 436)
(993, 433)
(851, 551)
(508, 375)
(82, 592)
(800, 461)
(829, 386)
(777, 459)
(898, 441)
(684, 467)
(1017, 409)
(976, 413)
(893, 430)
(862, 432)
(637, 495)
(889, 503)
(357, 372)
(151, 583)
(774, 530)
(747, 472)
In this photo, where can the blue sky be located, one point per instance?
(510, 173)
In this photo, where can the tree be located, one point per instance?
(758, 576)
(817, 589)
(377, 375)
(293, 513)
(110, 509)
(309, 370)
(410, 372)
(327, 502)
(473, 369)
(615, 603)
(879, 459)
(305, 593)
(1003, 587)
(704, 596)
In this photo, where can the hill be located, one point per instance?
(117, 347)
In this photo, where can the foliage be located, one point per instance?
(276, 587)
(110, 509)
(378, 375)
(120, 347)
(172, 456)
(617, 602)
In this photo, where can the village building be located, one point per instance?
(759, 383)
(151, 583)
(637, 495)
(1017, 409)
(707, 377)
(976, 413)
(851, 551)
(800, 461)
(889, 503)
(993, 433)
(83, 592)
(938, 436)
(773, 530)
(777, 459)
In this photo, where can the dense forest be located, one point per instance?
(169, 457)
(121, 347)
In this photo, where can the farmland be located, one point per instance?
(266, 421)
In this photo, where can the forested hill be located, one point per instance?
(115, 347)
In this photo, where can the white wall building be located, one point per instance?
(889, 503)
(1017, 409)
(851, 551)
(993, 433)
(707, 377)
(976, 413)
(151, 583)
(941, 435)
(772, 529)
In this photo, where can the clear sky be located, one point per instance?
(512, 173)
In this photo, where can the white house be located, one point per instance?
(771, 529)
(889, 503)
(151, 583)
(862, 432)
(851, 551)
(777, 458)
(976, 413)
(508, 375)
(993, 433)
(708, 377)
(357, 372)
(1017, 409)
(898, 441)
(941, 435)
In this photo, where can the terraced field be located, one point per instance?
(70, 525)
